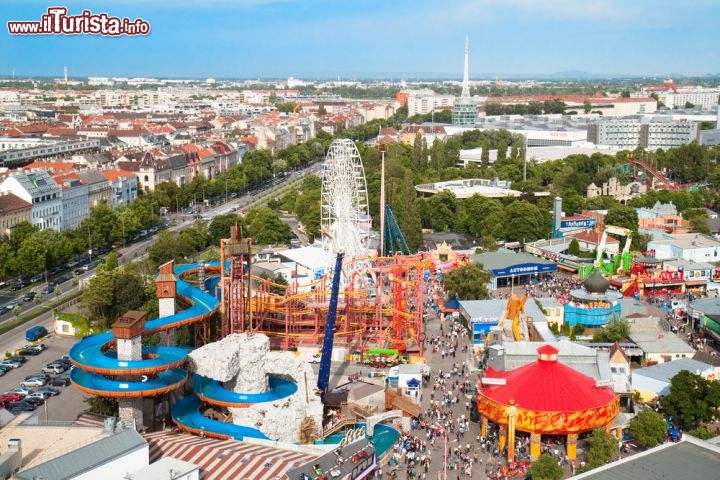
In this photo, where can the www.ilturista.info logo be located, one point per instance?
(57, 22)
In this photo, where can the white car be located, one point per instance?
(315, 358)
(10, 363)
(22, 391)
(33, 382)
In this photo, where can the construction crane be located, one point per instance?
(394, 238)
(324, 373)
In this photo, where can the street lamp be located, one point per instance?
(204, 204)
(226, 196)
(445, 454)
(89, 244)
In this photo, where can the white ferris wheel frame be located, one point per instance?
(344, 213)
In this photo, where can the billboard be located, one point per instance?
(578, 223)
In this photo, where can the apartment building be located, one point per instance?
(40, 190)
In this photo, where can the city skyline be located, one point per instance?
(392, 40)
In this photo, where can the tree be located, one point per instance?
(692, 399)
(574, 247)
(266, 227)
(622, 216)
(616, 329)
(603, 448)
(525, 222)
(468, 282)
(545, 468)
(648, 428)
(485, 155)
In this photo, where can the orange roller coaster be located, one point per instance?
(381, 305)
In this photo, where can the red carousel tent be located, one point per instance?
(546, 397)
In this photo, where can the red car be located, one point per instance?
(10, 397)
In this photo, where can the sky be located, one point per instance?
(360, 39)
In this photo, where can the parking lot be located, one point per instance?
(64, 407)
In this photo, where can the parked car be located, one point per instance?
(47, 290)
(18, 358)
(29, 297)
(33, 382)
(37, 398)
(29, 351)
(11, 363)
(54, 368)
(42, 375)
(22, 391)
(47, 391)
(21, 406)
(60, 381)
(10, 306)
(10, 397)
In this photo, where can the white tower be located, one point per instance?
(465, 111)
(65, 68)
(466, 80)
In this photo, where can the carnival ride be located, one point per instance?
(619, 264)
(394, 239)
(513, 320)
(100, 372)
(651, 177)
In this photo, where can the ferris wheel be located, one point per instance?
(344, 218)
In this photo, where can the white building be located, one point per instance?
(39, 189)
(426, 101)
(15, 143)
(704, 97)
(648, 132)
(693, 247)
(110, 458)
(123, 187)
(75, 207)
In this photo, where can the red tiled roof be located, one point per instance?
(9, 202)
(113, 175)
(54, 168)
(593, 237)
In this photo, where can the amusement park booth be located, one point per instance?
(545, 397)
(510, 268)
(593, 305)
(705, 314)
(481, 315)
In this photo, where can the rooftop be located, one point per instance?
(501, 260)
(689, 458)
(660, 342)
(667, 370)
(87, 458)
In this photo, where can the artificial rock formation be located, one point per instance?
(243, 363)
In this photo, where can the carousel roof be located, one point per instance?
(547, 386)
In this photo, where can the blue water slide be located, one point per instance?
(213, 392)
